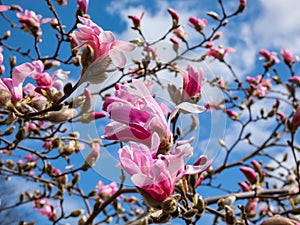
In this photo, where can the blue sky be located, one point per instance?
(273, 25)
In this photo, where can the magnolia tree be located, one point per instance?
(145, 99)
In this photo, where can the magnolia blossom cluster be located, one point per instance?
(102, 43)
(45, 208)
(259, 86)
(270, 58)
(157, 163)
(35, 70)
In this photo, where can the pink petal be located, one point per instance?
(117, 57)
(3, 85)
(4, 8)
(123, 46)
(141, 180)
(107, 37)
(45, 20)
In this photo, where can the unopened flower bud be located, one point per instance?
(74, 134)
(62, 2)
(76, 213)
(6, 35)
(9, 131)
(213, 15)
(250, 174)
(232, 114)
(61, 116)
(277, 220)
(218, 36)
(175, 16)
(190, 214)
(89, 117)
(12, 61)
(10, 163)
(257, 167)
(296, 118)
(244, 186)
(21, 134)
(82, 220)
(295, 80)
(169, 205)
(5, 98)
(175, 44)
(242, 6)
(16, 7)
(87, 57)
(160, 218)
(136, 21)
(94, 155)
(56, 142)
(230, 218)
(87, 104)
(287, 57)
(54, 23)
(200, 204)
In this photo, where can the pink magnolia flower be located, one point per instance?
(295, 80)
(157, 176)
(14, 84)
(219, 53)
(287, 57)
(270, 58)
(136, 115)
(136, 20)
(31, 22)
(108, 189)
(179, 32)
(250, 174)
(45, 208)
(102, 42)
(83, 5)
(259, 86)
(198, 24)
(192, 82)
(43, 78)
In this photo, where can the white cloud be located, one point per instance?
(278, 24)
